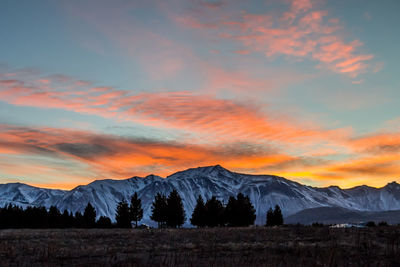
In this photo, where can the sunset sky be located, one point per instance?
(305, 89)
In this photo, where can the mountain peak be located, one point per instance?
(153, 176)
(201, 171)
(393, 184)
(213, 168)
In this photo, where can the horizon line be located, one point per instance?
(44, 186)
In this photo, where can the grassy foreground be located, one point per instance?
(258, 246)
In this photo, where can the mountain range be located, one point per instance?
(338, 215)
(265, 191)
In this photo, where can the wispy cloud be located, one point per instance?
(378, 143)
(207, 115)
(121, 157)
(242, 135)
(88, 154)
(302, 31)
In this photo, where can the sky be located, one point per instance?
(304, 89)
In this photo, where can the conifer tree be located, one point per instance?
(230, 212)
(79, 222)
(175, 213)
(245, 212)
(270, 218)
(239, 211)
(89, 216)
(274, 217)
(71, 222)
(135, 209)
(66, 221)
(122, 215)
(31, 217)
(43, 220)
(159, 210)
(278, 218)
(54, 217)
(214, 212)
(38, 217)
(103, 222)
(199, 213)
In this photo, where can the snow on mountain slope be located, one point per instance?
(265, 191)
(24, 195)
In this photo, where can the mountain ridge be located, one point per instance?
(265, 191)
(195, 168)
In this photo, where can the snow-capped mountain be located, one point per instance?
(265, 191)
(25, 195)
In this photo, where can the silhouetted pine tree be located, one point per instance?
(89, 216)
(122, 216)
(12, 217)
(199, 213)
(54, 217)
(239, 211)
(370, 224)
(175, 213)
(5, 217)
(38, 217)
(245, 212)
(35, 217)
(159, 210)
(2, 218)
(104, 222)
(270, 218)
(214, 212)
(43, 217)
(274, 217)
(230, 212)
(278, 218)
(79, 221)
(66, 220)
(135, 209)
(71, 220)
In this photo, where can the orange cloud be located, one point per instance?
(381, 143)
(76, 156)
(105, 156)
(206, 115)
(223, 123)
(369, 170)
(371, 160)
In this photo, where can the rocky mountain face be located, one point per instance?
(265, 191)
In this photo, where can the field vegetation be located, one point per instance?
(250, 246)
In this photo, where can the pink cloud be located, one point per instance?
(242, 52)
(301, 5)
(303, 32)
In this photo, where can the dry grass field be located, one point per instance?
(258, 246)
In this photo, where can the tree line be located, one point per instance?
(238, 211)
(167, 211)
(12, 216)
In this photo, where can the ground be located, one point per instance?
(254, 246)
